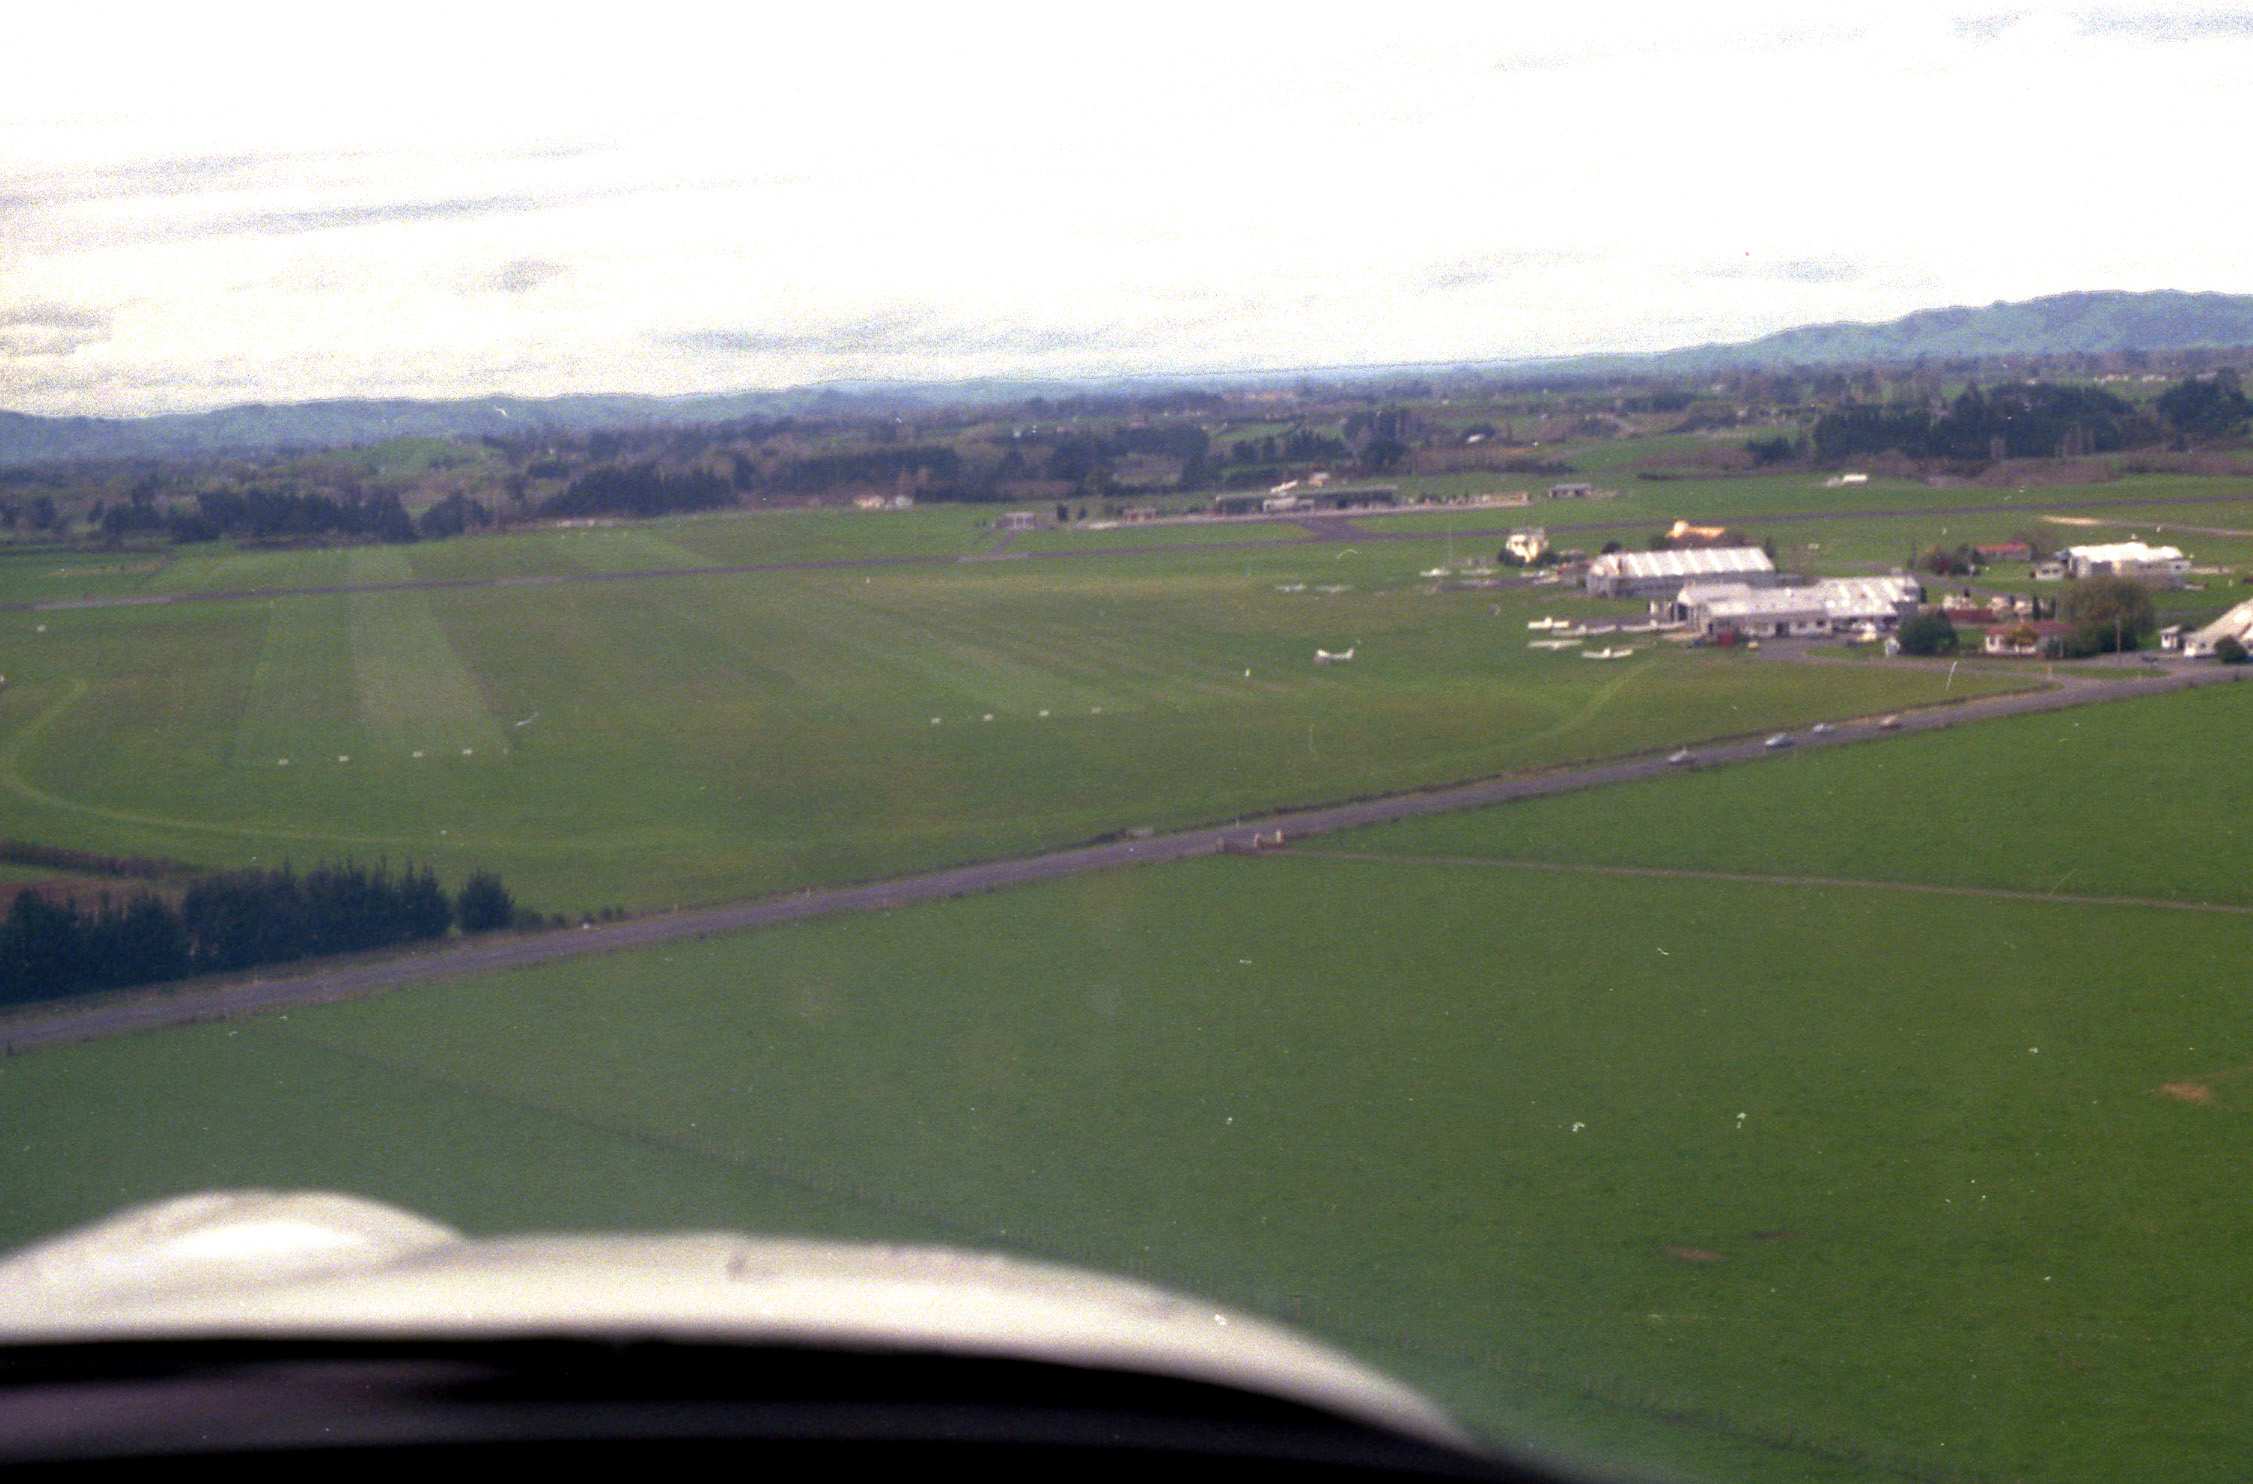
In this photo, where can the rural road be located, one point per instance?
(1318, 530)
(141, 1010)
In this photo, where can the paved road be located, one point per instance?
(145, 1010)
(1334, 529)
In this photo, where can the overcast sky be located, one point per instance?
(204, 205)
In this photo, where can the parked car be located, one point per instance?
(1781, 739)
(1822, 729)
(1681, 756)
(1890, 723)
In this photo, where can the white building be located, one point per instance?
(1661, 574)
(2236, 624)
(1829, 606)
(2165, 565)
(1527, 543)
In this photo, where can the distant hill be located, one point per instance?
(2059, 324)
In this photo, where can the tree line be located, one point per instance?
(233, 920)
(2025, 421)
(2034, 420)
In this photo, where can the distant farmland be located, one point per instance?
(659, 739)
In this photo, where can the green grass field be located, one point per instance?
(670, 738)
(2146, 798)
(1476, 1121)
(1775, 1182)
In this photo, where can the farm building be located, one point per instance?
(2165, 565)
(1571, 491)
(1829, 606)
(2025, 638)
(1661, 574)
(1017, 520)
(2236, 624)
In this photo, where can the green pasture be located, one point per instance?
(1139, 535)
(668, 739)
(2146, 798)
(1762, 1181)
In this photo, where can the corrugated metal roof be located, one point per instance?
(1691, 562)
(1837, 598)
(2125, 551)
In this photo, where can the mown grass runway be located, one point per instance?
(671, 739)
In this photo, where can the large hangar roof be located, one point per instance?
(2126, 551)
(1695, 561)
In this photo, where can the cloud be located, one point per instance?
(2170, 26)
(523, 275)
(272, 223)
(1789, 38)
(49, 330)
(178, 176)
(1789, 270)
(1985, 27)
(902, 334)
(1466, 273)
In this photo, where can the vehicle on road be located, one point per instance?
(1681, 756)
(1890, 723)
(1822, 729)
(1781, 739)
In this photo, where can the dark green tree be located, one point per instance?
(483, 904)
(2109, 614)
(1927, 634)
(2206, 408)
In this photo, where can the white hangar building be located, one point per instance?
(1661, 574)
(1823, 607)
(2161, 564)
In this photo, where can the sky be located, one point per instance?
(203, 206)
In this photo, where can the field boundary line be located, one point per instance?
(1753, 878)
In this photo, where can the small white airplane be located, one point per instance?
(1548, 623)
(1550, 643)
(1607, 654)
(1324, 656)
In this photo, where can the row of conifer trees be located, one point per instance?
(232, 920)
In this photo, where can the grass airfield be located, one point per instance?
(1754, 1179)
(666, 738)
(1476, 1121)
